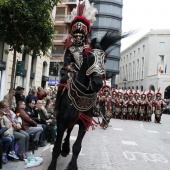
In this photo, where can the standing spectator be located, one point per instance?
(9, 96)
(41, 94)
(20, 136)
(19, 96)
(28, 125)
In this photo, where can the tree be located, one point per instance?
(26, 25)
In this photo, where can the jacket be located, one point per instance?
(27, 122)
(2, 130)
(4, 123)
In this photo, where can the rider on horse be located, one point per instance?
(76, 46)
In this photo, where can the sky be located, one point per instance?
(142, 15)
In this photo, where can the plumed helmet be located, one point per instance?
(143, 94)
(120, 92)
(81, 24)
(106, 88)
(130, 92)
(150, 93)
(114, 91)
(158, 93)
(125, 93)
(136, 92)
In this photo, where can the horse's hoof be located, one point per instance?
(64, 154)
(51, 168)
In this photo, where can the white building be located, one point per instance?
(146, 63)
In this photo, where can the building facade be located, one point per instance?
(35, 71)
(62, 26)
(145, 63)
(109, 17)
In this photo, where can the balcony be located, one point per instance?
(60, 37)
(57, 55)
(70, 2)
(63, 18)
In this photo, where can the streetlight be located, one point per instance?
(124, 80)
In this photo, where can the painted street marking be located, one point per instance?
(129, 143)
(152, 131)
(146, 156)
(73, 138)
(120, 129)
(168, 132)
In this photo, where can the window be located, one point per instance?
(134, 53)
(142, 68)
(130, 55)
(60, 11)
(161, 59)
(143, 48)
(58, 49)
(1, 50)
(161, 45)
(138, 51)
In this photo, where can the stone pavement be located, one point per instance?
(127, 144)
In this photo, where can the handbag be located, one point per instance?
(17, 127)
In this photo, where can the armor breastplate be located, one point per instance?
(77, 53)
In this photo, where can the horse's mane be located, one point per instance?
(109, 39)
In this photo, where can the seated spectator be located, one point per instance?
(19, 95)
(30, 110)
(7, 138)
(41, 120)
(32, 95)
(50, 123)
(9, 96)
(28, 125)
(21, 137)
(6, 143)
(41, 94)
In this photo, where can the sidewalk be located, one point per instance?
(126, 144)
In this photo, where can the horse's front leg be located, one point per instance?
(57, 147)
(66, 145)
(76, 148)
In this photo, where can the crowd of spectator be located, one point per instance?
(22, 116)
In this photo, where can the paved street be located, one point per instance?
(131, 145)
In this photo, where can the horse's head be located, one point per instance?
(96, 68)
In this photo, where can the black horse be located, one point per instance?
(78, 100)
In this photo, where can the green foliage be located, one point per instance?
(27, 25)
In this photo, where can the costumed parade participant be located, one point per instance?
(75, 105)
(136, 104)
(130, 105)
(76, 46)
(142, 106)
(105, 105)
(114, 94)
(118, 104)
(124, 105)
(149, 106)
(158, 104)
